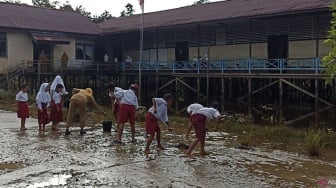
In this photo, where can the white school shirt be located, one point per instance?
(21, 96)
(161, 110)
(127, 97)
(209, 113)
(106, 58)
(57, 97)
(194, 107)
(116, 89)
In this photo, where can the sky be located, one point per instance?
(96, 7)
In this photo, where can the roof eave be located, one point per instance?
(216, 20)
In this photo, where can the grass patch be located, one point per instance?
(313, 141)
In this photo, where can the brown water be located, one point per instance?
(30, 159)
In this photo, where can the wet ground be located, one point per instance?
(30, 159)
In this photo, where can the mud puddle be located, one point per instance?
(93, 160)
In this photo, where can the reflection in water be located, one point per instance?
(11, 165)
(93, 160)
(55, 180)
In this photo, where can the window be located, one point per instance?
(3, 44)
(84, 50)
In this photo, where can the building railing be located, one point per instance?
(229, 65)
(307, 65)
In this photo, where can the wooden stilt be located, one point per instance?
(280, 102)
(249, 95)
(198, 88)
(223, 94)
(316, 102)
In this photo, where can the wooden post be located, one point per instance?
(316, 101)
(207, 89)
(156, 85)
(223, 94)
(198, 88)
(249, 96)
(176, 101)
(280, 101)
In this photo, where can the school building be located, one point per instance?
(243, 53)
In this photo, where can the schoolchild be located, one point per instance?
(157, 112)
(198, 120)
(56, 113)
(43, 100)
(128, 101)
(21, 100)
(190, 109)
(114, 102)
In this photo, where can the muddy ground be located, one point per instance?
(30, 159)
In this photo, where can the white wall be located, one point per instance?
(20, 47)
(70, 49)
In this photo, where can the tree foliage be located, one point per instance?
(329, 61)
(199, 2)
(67, 7)
(128, 12)
(106, 15)
(45, 3)
(80, 9)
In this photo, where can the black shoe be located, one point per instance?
(67, 132)
(82, 132)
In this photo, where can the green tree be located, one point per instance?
(45, 3)
(106, 15)
(67, 7)
(329, 61)
(128, 12)
(80, 9)
(199, 2)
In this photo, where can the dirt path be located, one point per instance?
(30, 159)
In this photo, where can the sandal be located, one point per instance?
(188, 156)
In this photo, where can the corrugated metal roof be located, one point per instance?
(43, 19)
(222, 10)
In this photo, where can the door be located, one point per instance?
(277, 49)
(181, 51)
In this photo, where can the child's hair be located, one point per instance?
(23, 86)
(214, 105)
(168, 96)
(110, 85)
(59, 86)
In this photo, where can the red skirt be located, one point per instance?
(126, 113)
(42, 116)
(198, 121)
(152, 124)
(23, 110)
(56, 116)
